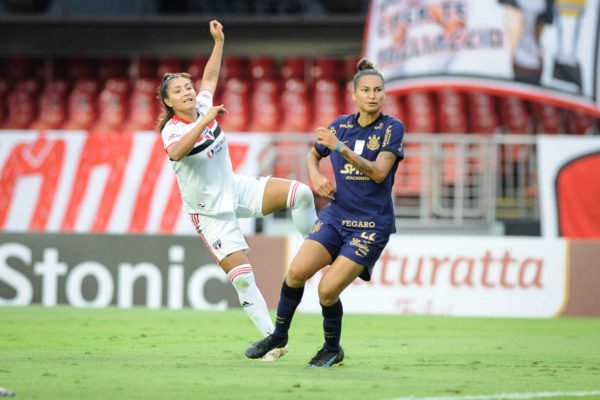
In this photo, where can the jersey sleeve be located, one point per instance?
(393, 139)
(171, 133)
(204, 101)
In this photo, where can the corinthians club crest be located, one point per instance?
(373, 143)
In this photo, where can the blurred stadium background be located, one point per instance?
(83, 173)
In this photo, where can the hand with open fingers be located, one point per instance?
(326, 138)
(216, 30)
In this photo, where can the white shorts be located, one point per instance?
(221, 233)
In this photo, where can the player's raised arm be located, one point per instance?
(210, 77)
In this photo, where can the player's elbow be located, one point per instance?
(378, 177)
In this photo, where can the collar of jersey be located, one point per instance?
(366, 126)
(177, 118)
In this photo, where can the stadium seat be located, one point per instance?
(420, 115)
(327, 68)
(143, 112)
(263, 67)
(80, 68)
(327, 101)
(112, 108)
(113, 68)
(52, 110)
(580, 123)
(196, 67)
(22, 110)
(169, 64)
(294, 68)
(548, 118)
(82, 111)
(235, 95)
(482, 115)
(265, 107)
(143, 68)
(234, 67)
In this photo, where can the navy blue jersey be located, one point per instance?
(359, 201)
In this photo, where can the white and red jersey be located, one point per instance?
(205, 175)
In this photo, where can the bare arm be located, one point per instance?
(323, 187)
(183, 146)
(210, 77)
(375, 170)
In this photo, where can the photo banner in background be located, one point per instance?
(67, 181)
(541, 49)
(458, 276)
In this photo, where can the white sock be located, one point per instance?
(302, 202)
(252, 301)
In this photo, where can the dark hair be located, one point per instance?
(162, 95)
(365, 67)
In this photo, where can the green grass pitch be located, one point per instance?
(67, 353)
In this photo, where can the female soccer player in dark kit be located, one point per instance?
(365, 149)
(213, 195)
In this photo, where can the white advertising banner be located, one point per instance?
(541, 49)
(458, 276)
(555, 155)
(72, 181)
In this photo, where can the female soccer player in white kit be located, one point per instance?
(213, 195)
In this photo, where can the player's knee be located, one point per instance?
(295, 278)
(328, 295)
(304, 196)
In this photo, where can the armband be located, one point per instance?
(338, 147)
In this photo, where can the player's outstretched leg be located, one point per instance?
(267, 345)
(327, 358)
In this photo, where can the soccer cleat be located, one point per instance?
(260, 348)
(327, 358)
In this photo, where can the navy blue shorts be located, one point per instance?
(363, 246)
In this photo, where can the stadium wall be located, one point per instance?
(457, 276)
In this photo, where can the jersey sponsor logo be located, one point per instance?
(352, 174)
(373, 142)
(216, 244)
(358, 224)
(349, 169)
(348, 125)
(332, 129)
(379, 126)
(388, 135)
(216, 149)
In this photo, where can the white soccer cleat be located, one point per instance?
(275, 354)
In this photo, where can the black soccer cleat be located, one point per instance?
(327, 358)
(261, 347)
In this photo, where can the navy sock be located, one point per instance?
(288, 302)
(332, 325)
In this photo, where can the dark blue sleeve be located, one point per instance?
(393, 139)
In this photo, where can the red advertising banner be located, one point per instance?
(61, 181)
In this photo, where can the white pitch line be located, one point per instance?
(508, 396)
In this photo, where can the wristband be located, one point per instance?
(338, 147)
